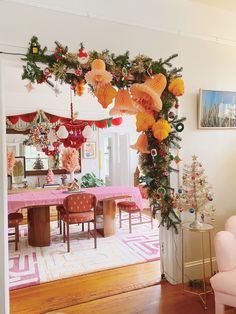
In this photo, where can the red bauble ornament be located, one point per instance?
(117, 121)
(101, 124)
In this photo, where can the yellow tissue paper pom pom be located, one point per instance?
(161, 129)
(176, 87)
(144, 121)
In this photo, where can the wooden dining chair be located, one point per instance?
(79, 208)
(14, 220)
(130, 207)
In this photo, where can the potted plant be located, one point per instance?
(90, 180)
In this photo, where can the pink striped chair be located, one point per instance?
(224, 282)
(79, 208)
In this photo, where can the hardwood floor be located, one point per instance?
(76, 290)
(134, 289)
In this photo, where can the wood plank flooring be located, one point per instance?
(76, 290)
(134, 289)
(160, 299)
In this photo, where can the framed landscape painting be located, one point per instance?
(216, 109)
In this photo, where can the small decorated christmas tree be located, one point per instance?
(50, 177)
(38, 164)
(70, 161)
(194, 195)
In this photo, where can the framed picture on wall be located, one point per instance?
(18, 174)
(89, 150)
(216, 109)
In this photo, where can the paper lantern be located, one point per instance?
(142, 144)
(148, 94)
(87, 132)
(116, 121)
(98, 75)
(105, 95)
(123, 104)
(62, 132)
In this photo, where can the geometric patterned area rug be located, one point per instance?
(33, 265)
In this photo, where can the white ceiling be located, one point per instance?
(229, 5)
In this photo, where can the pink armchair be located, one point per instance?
(224, 282)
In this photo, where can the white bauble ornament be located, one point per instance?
(87, 132)
(62, 132)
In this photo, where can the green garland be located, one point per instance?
(155, 168)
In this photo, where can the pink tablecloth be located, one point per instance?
(56, 197)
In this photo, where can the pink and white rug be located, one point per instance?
(33, 265)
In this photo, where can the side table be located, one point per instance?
(204, 230)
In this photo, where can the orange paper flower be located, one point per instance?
(142, 144)
(105, 95)
(176, 87)
(148, 94)
(144, 121)
(161, 129)
(98, 76)
(123, 104)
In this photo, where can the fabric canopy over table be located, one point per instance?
(56, 197)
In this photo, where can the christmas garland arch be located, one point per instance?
(142, 86)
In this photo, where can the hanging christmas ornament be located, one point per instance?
(98, 76)
(105, 95)
(161, 191)
(191, 210)
(142, 144)
(78, 72)
(148, 94)
(149, 70)
(62, 132)
(123, 104)
(125, 74)
(171, 115)
(87, 132)
(58, 54)
(116, 121)
(153, 152)
(144, 121)
(82, 56)
(101, 124)
(46, 73)
(176, 87)
(177, 159)
(161, 129)
(179, 127)
(34, 46)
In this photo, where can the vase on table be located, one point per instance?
(196, 224)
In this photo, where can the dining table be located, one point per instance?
(38, 208)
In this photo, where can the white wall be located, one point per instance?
(207, 64)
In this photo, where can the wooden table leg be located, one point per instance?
(109, 213)
(39, 226)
